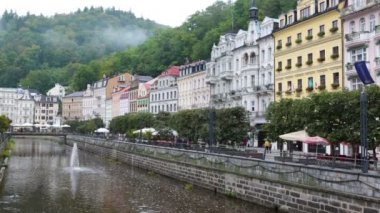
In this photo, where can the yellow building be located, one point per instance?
(308, 49)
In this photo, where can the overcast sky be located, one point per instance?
(168, 12)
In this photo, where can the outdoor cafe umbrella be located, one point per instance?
(316, 140)
(102, 130)
(66, 126)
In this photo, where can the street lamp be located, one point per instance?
(211, 123)
(365, 77)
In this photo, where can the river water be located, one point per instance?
(39, 180)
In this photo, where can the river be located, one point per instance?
(39, 179)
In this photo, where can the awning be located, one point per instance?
(295, 136)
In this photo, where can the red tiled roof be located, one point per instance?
(172, 71)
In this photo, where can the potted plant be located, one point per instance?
(288, 67)
(334, 29)
(322, 87)
(278, 92)
(279, 69)
(321, 59)
(288, 92)
(288, 44)
(298, 41)
(299, 65)
(309, 62)
(309, 37)
(334, 56)
(299, 89)
(321, 34)
(335, 85)
(279, 47)
(309, 89)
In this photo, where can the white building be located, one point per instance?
(240, 71)
(24, 108)
(58, 90)
(193, 92)
(88, 103)
(124, 102)
(99, 102)
(46, 109)
(8, 98)
(164, 92)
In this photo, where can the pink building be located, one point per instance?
(124, 101)
(361, 20)
(116, 95)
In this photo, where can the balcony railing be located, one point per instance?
(211, 79)
(227, 75)
(354, 8)
(357, 38)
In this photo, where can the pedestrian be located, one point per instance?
(270, 147)
(266, 145)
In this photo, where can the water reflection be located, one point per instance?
(40, 180)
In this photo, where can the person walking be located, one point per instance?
(266, 145)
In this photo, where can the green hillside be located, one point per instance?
(73, 49)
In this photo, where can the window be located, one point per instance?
(289, 40)
(335, 24)
(299, 60)
(322, 80)
(322, 28)
(334, 3)
(372, 23)
(336, 78)
(310, 82)
(279, 66)
(356, 84)
(289, 86)
(310, 57)
(322, 54)
(352, 26)
(299, 36)
(289, 64)
(290, 19)
(253, 106)
(280, 87)
(335, 50)
(322, 6)
(279, 43)
(358, 55)
(305, 12)
(362, 25)
(310, 32)
(252, 81)
(269, 53)
(299, 84)
(282, 23)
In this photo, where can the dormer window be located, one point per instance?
(305, 12)
(290, 19)
(322, 6)
(282, 23)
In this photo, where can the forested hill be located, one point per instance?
(33, 42)
(66, 61)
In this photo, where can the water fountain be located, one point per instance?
(74, 160)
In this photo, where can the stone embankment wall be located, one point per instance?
(294, 187)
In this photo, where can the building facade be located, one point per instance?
(72, 106)
(361, 20)
(88, 102)
(25, 106)
(137, 85)
(164, 92)
(193, 92)
(124, 102)
(99, 99)
(8, 97)
(308, 54)
(58, 90)
(47, 110)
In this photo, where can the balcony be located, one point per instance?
(236, 95)
(377, 32)
(377, 67)
(357, 39)
(354, 8)
(257, 117)
(210, 79)
(227, 75)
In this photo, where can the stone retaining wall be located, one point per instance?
(299, 188)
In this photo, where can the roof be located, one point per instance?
(172, 71)
(143, 78)
(75, 94)
(46, 99)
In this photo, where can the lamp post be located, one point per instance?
(365, 77)
(211, 123)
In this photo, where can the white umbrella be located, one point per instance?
(66, 126)
(144, 130)
(102, 130)
(295, 136)
(27, 125)
(56, 126)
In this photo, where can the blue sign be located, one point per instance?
(363, 73)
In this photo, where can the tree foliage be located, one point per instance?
(84, 45)
(5, 123)
(334, 116)
(85, 127)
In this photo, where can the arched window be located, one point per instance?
(372, 23)
(252, 58)
(352, 26)
(245, 59)
(362, 24)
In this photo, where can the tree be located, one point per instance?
(5, 123)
